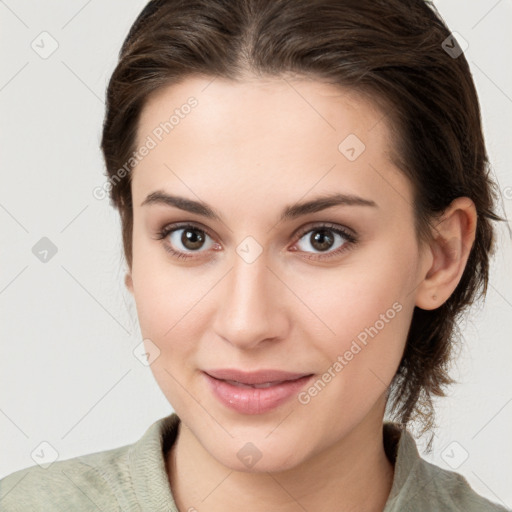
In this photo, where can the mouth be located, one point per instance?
(265, 377)
(254, 386)
(254, 392)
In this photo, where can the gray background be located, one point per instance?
(69, 376)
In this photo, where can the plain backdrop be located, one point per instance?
(68, 327)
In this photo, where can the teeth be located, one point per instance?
(257, 386)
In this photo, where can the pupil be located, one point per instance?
(192, 239)
(320, 239)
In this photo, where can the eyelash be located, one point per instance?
(350, 239)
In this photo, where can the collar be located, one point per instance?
(146, 460)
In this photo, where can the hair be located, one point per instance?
(392, 51)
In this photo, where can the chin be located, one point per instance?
(256, 457)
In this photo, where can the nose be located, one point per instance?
(251, 305)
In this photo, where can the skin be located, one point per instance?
(249, 149)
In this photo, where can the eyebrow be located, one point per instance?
(290, 212)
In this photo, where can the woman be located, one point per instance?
(305, 209)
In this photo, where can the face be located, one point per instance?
(325, 292)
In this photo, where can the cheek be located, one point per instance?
(172, 306)
(169, 316)
(166, 310)
(362, 357)
(162, 292)
(367, 326)
(364, 313)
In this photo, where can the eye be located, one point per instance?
(323, 238)
(185, 239)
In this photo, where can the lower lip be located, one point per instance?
(255, 400)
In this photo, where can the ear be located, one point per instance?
(452, 238)
(128, 281)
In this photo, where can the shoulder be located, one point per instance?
(123, 478)
(425, 487)
(452, 491)
(80, 483)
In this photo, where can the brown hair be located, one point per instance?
(395, 52)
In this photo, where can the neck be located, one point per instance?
(354, 474)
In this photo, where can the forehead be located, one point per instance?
(247, 103)
(264, 136)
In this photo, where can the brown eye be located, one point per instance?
(192, 238)
(321, 240)
(185, 240)
(331, 240)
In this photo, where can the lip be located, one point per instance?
(251, 400)
(257, 377)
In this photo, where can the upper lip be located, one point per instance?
(257, 377)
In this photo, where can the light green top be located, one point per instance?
(133, 478)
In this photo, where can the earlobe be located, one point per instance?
(452, 239)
